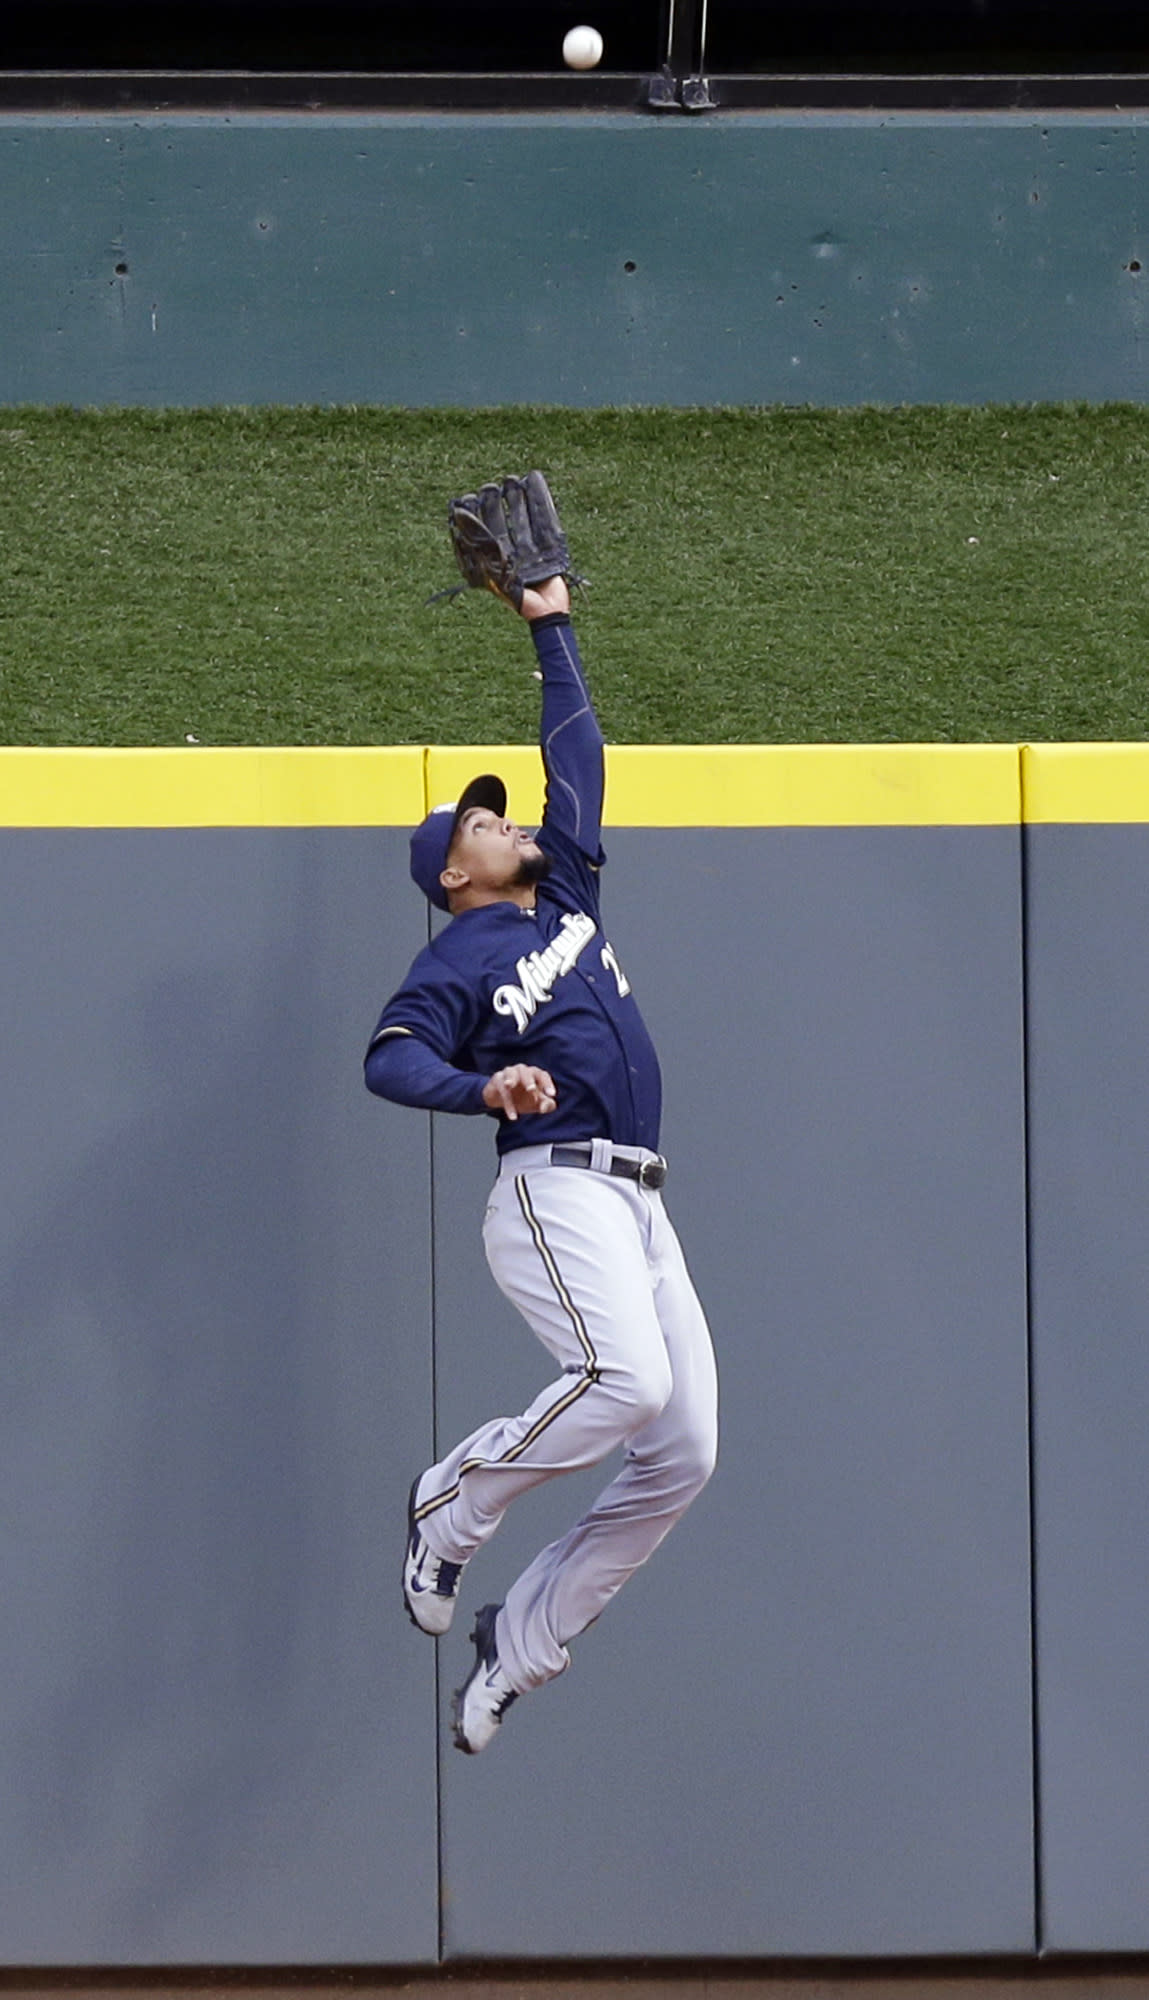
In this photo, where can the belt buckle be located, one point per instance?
(652, 1173)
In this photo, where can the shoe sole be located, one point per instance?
(406, 1553)
(457, 1737)
(458, 1734)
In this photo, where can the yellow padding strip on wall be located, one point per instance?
(1085, 783)
(661, 785)
(647, 785)
(894, 784)
(210, 787)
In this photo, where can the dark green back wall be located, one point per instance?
(579, 260)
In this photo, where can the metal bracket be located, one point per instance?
(681, 83)
(660, 92)
(695, 94)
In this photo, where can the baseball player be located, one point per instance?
(520, 1009)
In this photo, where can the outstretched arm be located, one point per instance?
(569, 737)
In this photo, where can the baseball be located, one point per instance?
(582, 48)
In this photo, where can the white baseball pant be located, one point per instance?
(594, 1265)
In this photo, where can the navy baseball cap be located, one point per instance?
(431, 842)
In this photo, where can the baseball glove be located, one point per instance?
(506, 537)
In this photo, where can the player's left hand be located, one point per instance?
(520, 1088)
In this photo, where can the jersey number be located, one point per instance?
(612, 965)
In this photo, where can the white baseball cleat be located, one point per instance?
(485, 1696)
(430, 1584)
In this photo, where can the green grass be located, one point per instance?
(258, 576)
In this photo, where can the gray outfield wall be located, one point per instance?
(806, 1728)
(589, 259)
(1089, 1167)
(242, 1299)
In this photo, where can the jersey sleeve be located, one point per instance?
(411, 1055)
(570, 740)
(404, 1070)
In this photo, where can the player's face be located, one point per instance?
(494, 853)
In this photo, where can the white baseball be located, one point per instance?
(582, 48)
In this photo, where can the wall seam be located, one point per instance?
(440, 1886)
(433, 1222)
(1031, 1438)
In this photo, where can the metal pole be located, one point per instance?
(695, 91)
(680, 82)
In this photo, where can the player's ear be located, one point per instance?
(454, 878)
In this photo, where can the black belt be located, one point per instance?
(648, 1173)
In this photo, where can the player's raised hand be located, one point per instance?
(508, 539)
(553, 595)
(520, 1088)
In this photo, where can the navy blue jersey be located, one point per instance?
(504, 985)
